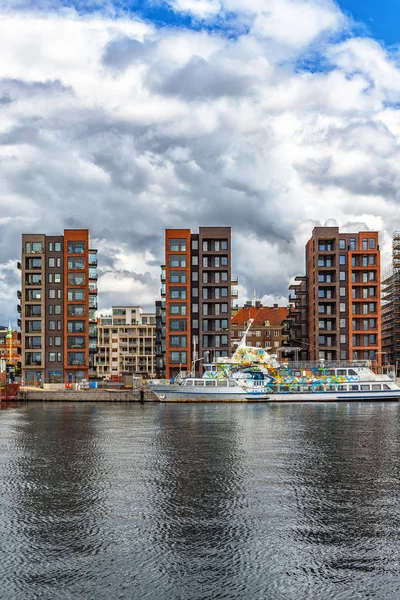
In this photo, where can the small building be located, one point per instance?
(269, 328)
(10, 346)
(126, 342)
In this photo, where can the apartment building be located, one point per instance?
(342, 285)
(126, 343)
(269, 327)
(58, 307)
(391, 307)
(196, 297)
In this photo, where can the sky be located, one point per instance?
(128, 117)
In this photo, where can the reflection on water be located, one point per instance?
(199, 501)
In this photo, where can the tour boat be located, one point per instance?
(254, 375)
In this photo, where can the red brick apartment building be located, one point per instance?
(58, 307)
(336, 306)
(269, 328)
(196, 298)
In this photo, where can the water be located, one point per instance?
(199, 502)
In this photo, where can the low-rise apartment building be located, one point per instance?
(269, 328)
(126, 343)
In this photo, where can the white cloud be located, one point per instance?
(125, 128)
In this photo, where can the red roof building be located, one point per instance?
(268, 330)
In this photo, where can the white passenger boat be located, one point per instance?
(254, 375)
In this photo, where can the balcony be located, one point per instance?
(19, 266)
(19, 294)
(234, 280)
(234, 293)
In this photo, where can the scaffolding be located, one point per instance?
(391, 307)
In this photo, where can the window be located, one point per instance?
(178, 357)
(76, 358)
(51, 309)
(179, 341)
(216, 277)
(52, 293)
(365, 244)
(195, 275)
(177, 245)
(76, 279)
(195, 245)
(342, 307)
(343, 338)
(76, 247)
(342, 323)
(205, 246)
(177, 260)
(205, 309)
(52, 263)
(195, 260)
(76, 326)
(372, 259)
(76, 263)
(224, 245)
(76, 342)
(58, 262)
(178, 293)
(195, 308)
(58, 356)
(205, 277)
(342, 291)
(27, 247)
(342, 259)
(50, 277)
(205, 262)
(224, 276)
(352, 244)
(57, 340)
(57, 246)
(57, 309)
(178, 324)
(195, 292)
(52, 325)
(224, 261)
(343, 354)
(342, 275)
(52, 357)
(372, 243)
(195, 324)
(216, 246)
(216, 293)
(205, 293)
(216, 261)
(76, 295)
(76, 310)
(224, 292)
(342, 244)
(224, 308)
(177, 277)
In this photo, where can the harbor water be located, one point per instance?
(154, 501)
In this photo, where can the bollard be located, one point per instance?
(141, 396)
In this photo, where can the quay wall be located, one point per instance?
(42, 395)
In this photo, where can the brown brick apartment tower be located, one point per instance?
(343, 279)
(196, 291)
(58, 307)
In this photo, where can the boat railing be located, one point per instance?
(326, 364)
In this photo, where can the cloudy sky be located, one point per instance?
(126, 117)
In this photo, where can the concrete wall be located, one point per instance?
(42, 395)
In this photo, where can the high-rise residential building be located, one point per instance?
(269, 327)
(342, 288)
(126, 343)
(391, 307)
(58, 307)
(197, 297)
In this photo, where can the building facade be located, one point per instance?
(58, 307)
(268, 330)
(391, 307)
(126, 344)
(342, 286)
(196, 297)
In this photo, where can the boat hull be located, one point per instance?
(172, 393)
(378, 396)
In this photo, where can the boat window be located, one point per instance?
(376, 386)
(364, 387)
(189, 382)
(210, 382)
(386, 387)
(330, 373)
(352, 372)
(354, 388)
(341, 372)
(232, 384)
(221, 382)
(342, 388)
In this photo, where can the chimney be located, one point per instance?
(275, 306)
